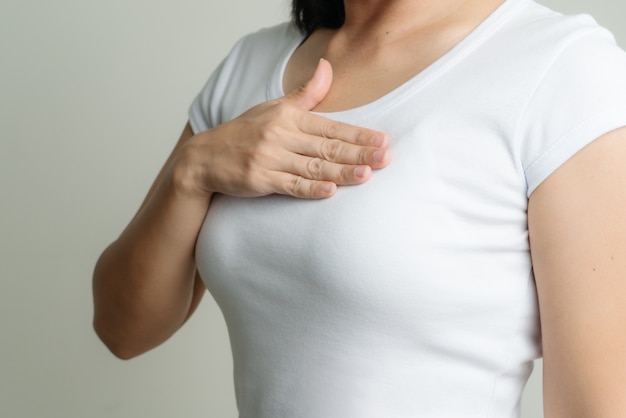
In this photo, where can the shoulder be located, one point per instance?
(268, 40)
(540, 22)
(241, 79)
(569, 76)
(543, 34)
(255, 57)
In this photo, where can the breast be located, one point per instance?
(428, 262)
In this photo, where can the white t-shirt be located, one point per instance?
(411, 295)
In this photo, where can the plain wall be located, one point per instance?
(93, 96)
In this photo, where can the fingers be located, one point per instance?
(327, 128)
(281, 147)
(297, 186)
(309, 95)
(331, 140)
(341, 152)
(324, 170)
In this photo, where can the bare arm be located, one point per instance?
(577, 228)
(145, 283)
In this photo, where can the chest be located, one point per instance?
(363, 74)
(439, 232)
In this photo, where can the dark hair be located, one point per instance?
(309, 15)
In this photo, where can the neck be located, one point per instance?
(371, 20)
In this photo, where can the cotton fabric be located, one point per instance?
(411, 295)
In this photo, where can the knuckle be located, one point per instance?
(295, 186)
(247, 172)
(315, 168)
(361, 137)
(277, 121)
(365, 156)
(331, 149)
(257, 183)
(347, 175)
(331, 129)
(300, 90)
(282, 110)
(268, 131)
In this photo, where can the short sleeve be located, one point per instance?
(581, 96)
(205, 111)
(243, 78)
(201, 118)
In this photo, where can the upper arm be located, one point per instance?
(577, 228)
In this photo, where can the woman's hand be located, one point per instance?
(145, 283)
(281, 147)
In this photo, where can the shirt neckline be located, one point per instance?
(448, 60)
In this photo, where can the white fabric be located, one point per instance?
(411, 295)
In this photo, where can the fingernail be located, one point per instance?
(379, 155)
(328, 188)
(378, 140)
(360, 172)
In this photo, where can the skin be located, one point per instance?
(382, 45)
(578, 243)
(146, 285)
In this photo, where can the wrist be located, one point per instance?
(184, 181)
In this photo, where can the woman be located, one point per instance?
(357, 286)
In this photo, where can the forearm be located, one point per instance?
(144, 281)
(144, 286)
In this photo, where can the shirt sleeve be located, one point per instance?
(581, 96)
(205, 111)
(201, 118)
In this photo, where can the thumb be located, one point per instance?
(313, 91)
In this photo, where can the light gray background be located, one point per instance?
(93, 96)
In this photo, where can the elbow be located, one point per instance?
(118, 346)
